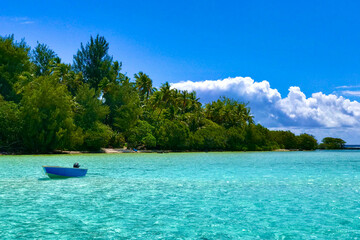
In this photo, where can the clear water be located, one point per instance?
(271, 195)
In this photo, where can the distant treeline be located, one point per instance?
(48, 105)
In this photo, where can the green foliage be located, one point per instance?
(161, 100)
(332, 143)
(228, 113)
(144, 85)
(172, 104)
(258, 139)
(63, 73)
(47, 114)
(194, 120)
(89, 109)
(210, 137)
(96, 137)
(10, 126)
(124, 103)
(94, 61)
(89, 114)
(43, 58)
(14, 62)
(285, 139)
(117, 140)
(307, 142)
(236, 139)
(141, 135)
(149, 141)
(47, 105)
(172, 135)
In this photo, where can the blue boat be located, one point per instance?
(64, 172)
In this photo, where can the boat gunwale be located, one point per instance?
(64, 167)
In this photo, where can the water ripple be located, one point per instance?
(184, 196)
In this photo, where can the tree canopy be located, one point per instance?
(332, 143)
(94, 61)
(42, 57)
(48, 105)
(14, 62)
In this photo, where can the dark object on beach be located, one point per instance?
(76, 165)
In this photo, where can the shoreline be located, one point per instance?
(123, 150)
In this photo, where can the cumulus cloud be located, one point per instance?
(296, 110)
(235, 87)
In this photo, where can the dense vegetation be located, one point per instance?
(48, 105)
(332, 143)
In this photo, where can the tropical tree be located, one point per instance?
(172, 135)
(184, 101)
(10, 126)
(209, 137)
(89, 108)
(332, 143)
(307, 142)
(258, 138)
(235, 138)
(89, 116)
(285, 139)
(47, 105)
(14, 62)
(124, 103)
(46, 109)
(144, 85)
(228, 113)
(141, 135)
(195, 104)
(65, 75)
(162, 98)
(43, 58)
(94, 61)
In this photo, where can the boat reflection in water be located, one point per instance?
(64, 172)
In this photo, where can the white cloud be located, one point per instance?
(272, 110)
(325, 110)
(350, 86)
(232, 87)
(351, 93)
(18, 20)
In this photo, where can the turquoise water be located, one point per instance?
(271, 195)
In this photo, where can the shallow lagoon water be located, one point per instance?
(259, 195)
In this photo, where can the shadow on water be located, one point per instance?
(51, 179)
(94, 174)
(44, 179)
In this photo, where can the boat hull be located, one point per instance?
(62, 172)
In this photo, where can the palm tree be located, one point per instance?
(195, 104)
(184, 100)
(144, 85)
(163, 97)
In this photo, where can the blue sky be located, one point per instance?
(313, 45)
